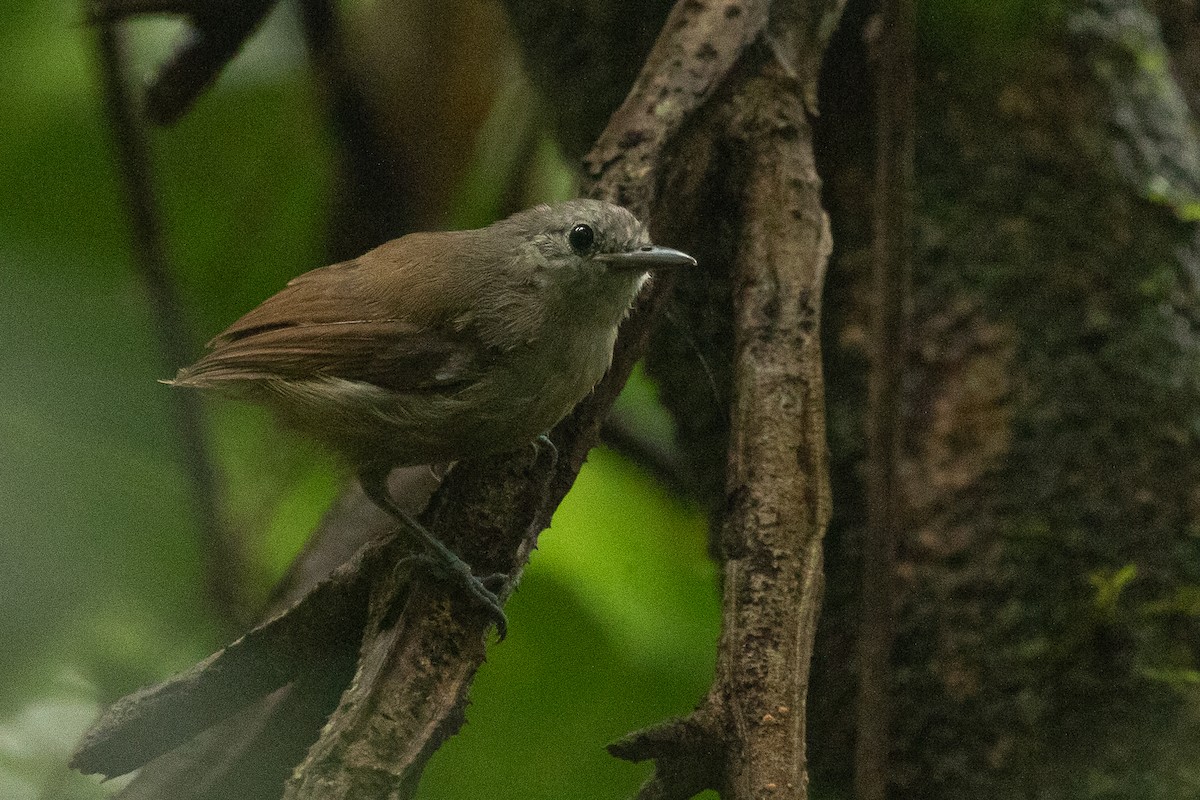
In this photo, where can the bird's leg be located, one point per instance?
(438, 557)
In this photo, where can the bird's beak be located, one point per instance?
(646, 258)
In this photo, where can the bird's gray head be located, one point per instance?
(588, 248)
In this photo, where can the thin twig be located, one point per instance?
(209, 44)
(892, 278)
(223, 562)
(215, 32)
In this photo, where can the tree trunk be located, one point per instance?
(1049, 478)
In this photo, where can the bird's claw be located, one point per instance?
(487, 597)
(484, 590)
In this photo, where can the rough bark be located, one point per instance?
(251, 753)
(777, 489)
(420, 649)
(1049, 472)
(747, 738)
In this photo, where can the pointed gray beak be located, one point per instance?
(646, 258)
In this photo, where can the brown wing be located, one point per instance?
(418, 278)
(387, 353)
(358, 320)
(323, 295)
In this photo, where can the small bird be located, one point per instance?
(436, 347)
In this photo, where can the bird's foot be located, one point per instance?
(438, 559)
(486, 597)
(484, 591)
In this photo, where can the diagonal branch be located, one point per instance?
(215, 33)
(699, 46)
(250, 754)
(152, 721)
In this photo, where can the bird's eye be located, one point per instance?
(581, 238)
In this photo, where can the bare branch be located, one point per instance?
(151, 721)
(688, 755)
(249, 755)
(216, 31)
(421, 649)
(699, 45)
(778, 501)
(209, 44)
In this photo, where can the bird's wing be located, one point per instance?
(336, 322)
(404, 279)
(390, 354)
(319, 296)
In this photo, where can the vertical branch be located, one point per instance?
(892, 246)
(777, 480)
(747, 739)
(222, 560)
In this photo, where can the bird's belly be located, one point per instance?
(525, 395)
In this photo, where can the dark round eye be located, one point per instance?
(581, 238)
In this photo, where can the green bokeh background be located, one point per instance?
(614, 626)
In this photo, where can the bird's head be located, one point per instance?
(589, 253)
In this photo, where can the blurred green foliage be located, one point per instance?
(987, 33)
(614, 626)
